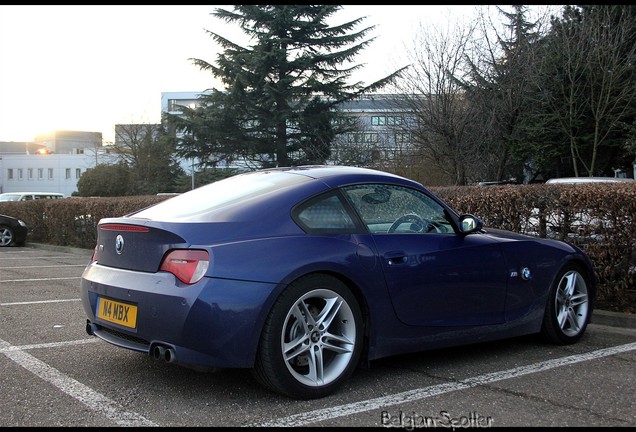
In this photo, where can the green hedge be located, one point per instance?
(72, 221)
(597, 217)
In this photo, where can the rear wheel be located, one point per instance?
(312, 339)
(7, 237)
(568, 310)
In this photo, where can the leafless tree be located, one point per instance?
(149, 153)
(595, 58)
(133, 141)
(468, 84)
(442, 117)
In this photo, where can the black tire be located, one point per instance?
(7, 237)
(312, 339)
(569, 306)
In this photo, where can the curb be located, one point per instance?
(602, 317)
(614, 319)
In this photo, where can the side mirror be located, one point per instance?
(469, 223)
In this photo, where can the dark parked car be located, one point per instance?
(302, 274)
(13, 231)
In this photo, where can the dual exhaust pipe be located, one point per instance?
(158, 352)
(165, 353)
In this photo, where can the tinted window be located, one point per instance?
(325, 214)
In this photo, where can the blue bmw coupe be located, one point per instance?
(302, 274)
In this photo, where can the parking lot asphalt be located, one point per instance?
(54, 374)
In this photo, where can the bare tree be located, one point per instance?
(148, 151)
(593, 54)
(442, 117)
(132, 142)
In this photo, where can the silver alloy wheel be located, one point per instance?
(318, 338)
(572, 303)
(6, 236)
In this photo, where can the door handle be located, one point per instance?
(396, 258)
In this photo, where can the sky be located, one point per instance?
(88, 68)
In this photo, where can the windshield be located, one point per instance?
(9, 197)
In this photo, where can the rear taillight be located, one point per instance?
(188, 265)
(123, 227)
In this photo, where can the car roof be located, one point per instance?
(576, 180)
(31, 193)
(267, 195)
(323, 171)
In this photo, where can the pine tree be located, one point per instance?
(281, 95)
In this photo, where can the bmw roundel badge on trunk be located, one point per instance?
(119, 244)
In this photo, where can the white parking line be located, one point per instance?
(5, 258)
(39, 302)
(304, 419)
(92, 399)
(8, 348)
(41, 279)
(43, 266)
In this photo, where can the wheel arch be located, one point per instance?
(365, 310)
(585, 265)
(267, 367)
(355, 289)
(560, 324)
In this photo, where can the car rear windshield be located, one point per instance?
(219, 195)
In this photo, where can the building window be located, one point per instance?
(68, 173)
(20, 175)
(10, 174)
(403, 138)
(387, 120)
(343, 121)
(78, 172)
(394, 120)
(50, 173)
(30, 173)
(378, 120)
(40, 173)
(174, 105)
(363, 137)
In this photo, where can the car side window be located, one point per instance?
(326, 215)
(397, 209)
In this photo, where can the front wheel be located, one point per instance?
(312, 339)
(569, 307)
(7, 237)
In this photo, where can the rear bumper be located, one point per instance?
(213, 323)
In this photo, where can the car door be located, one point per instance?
(435, 276)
